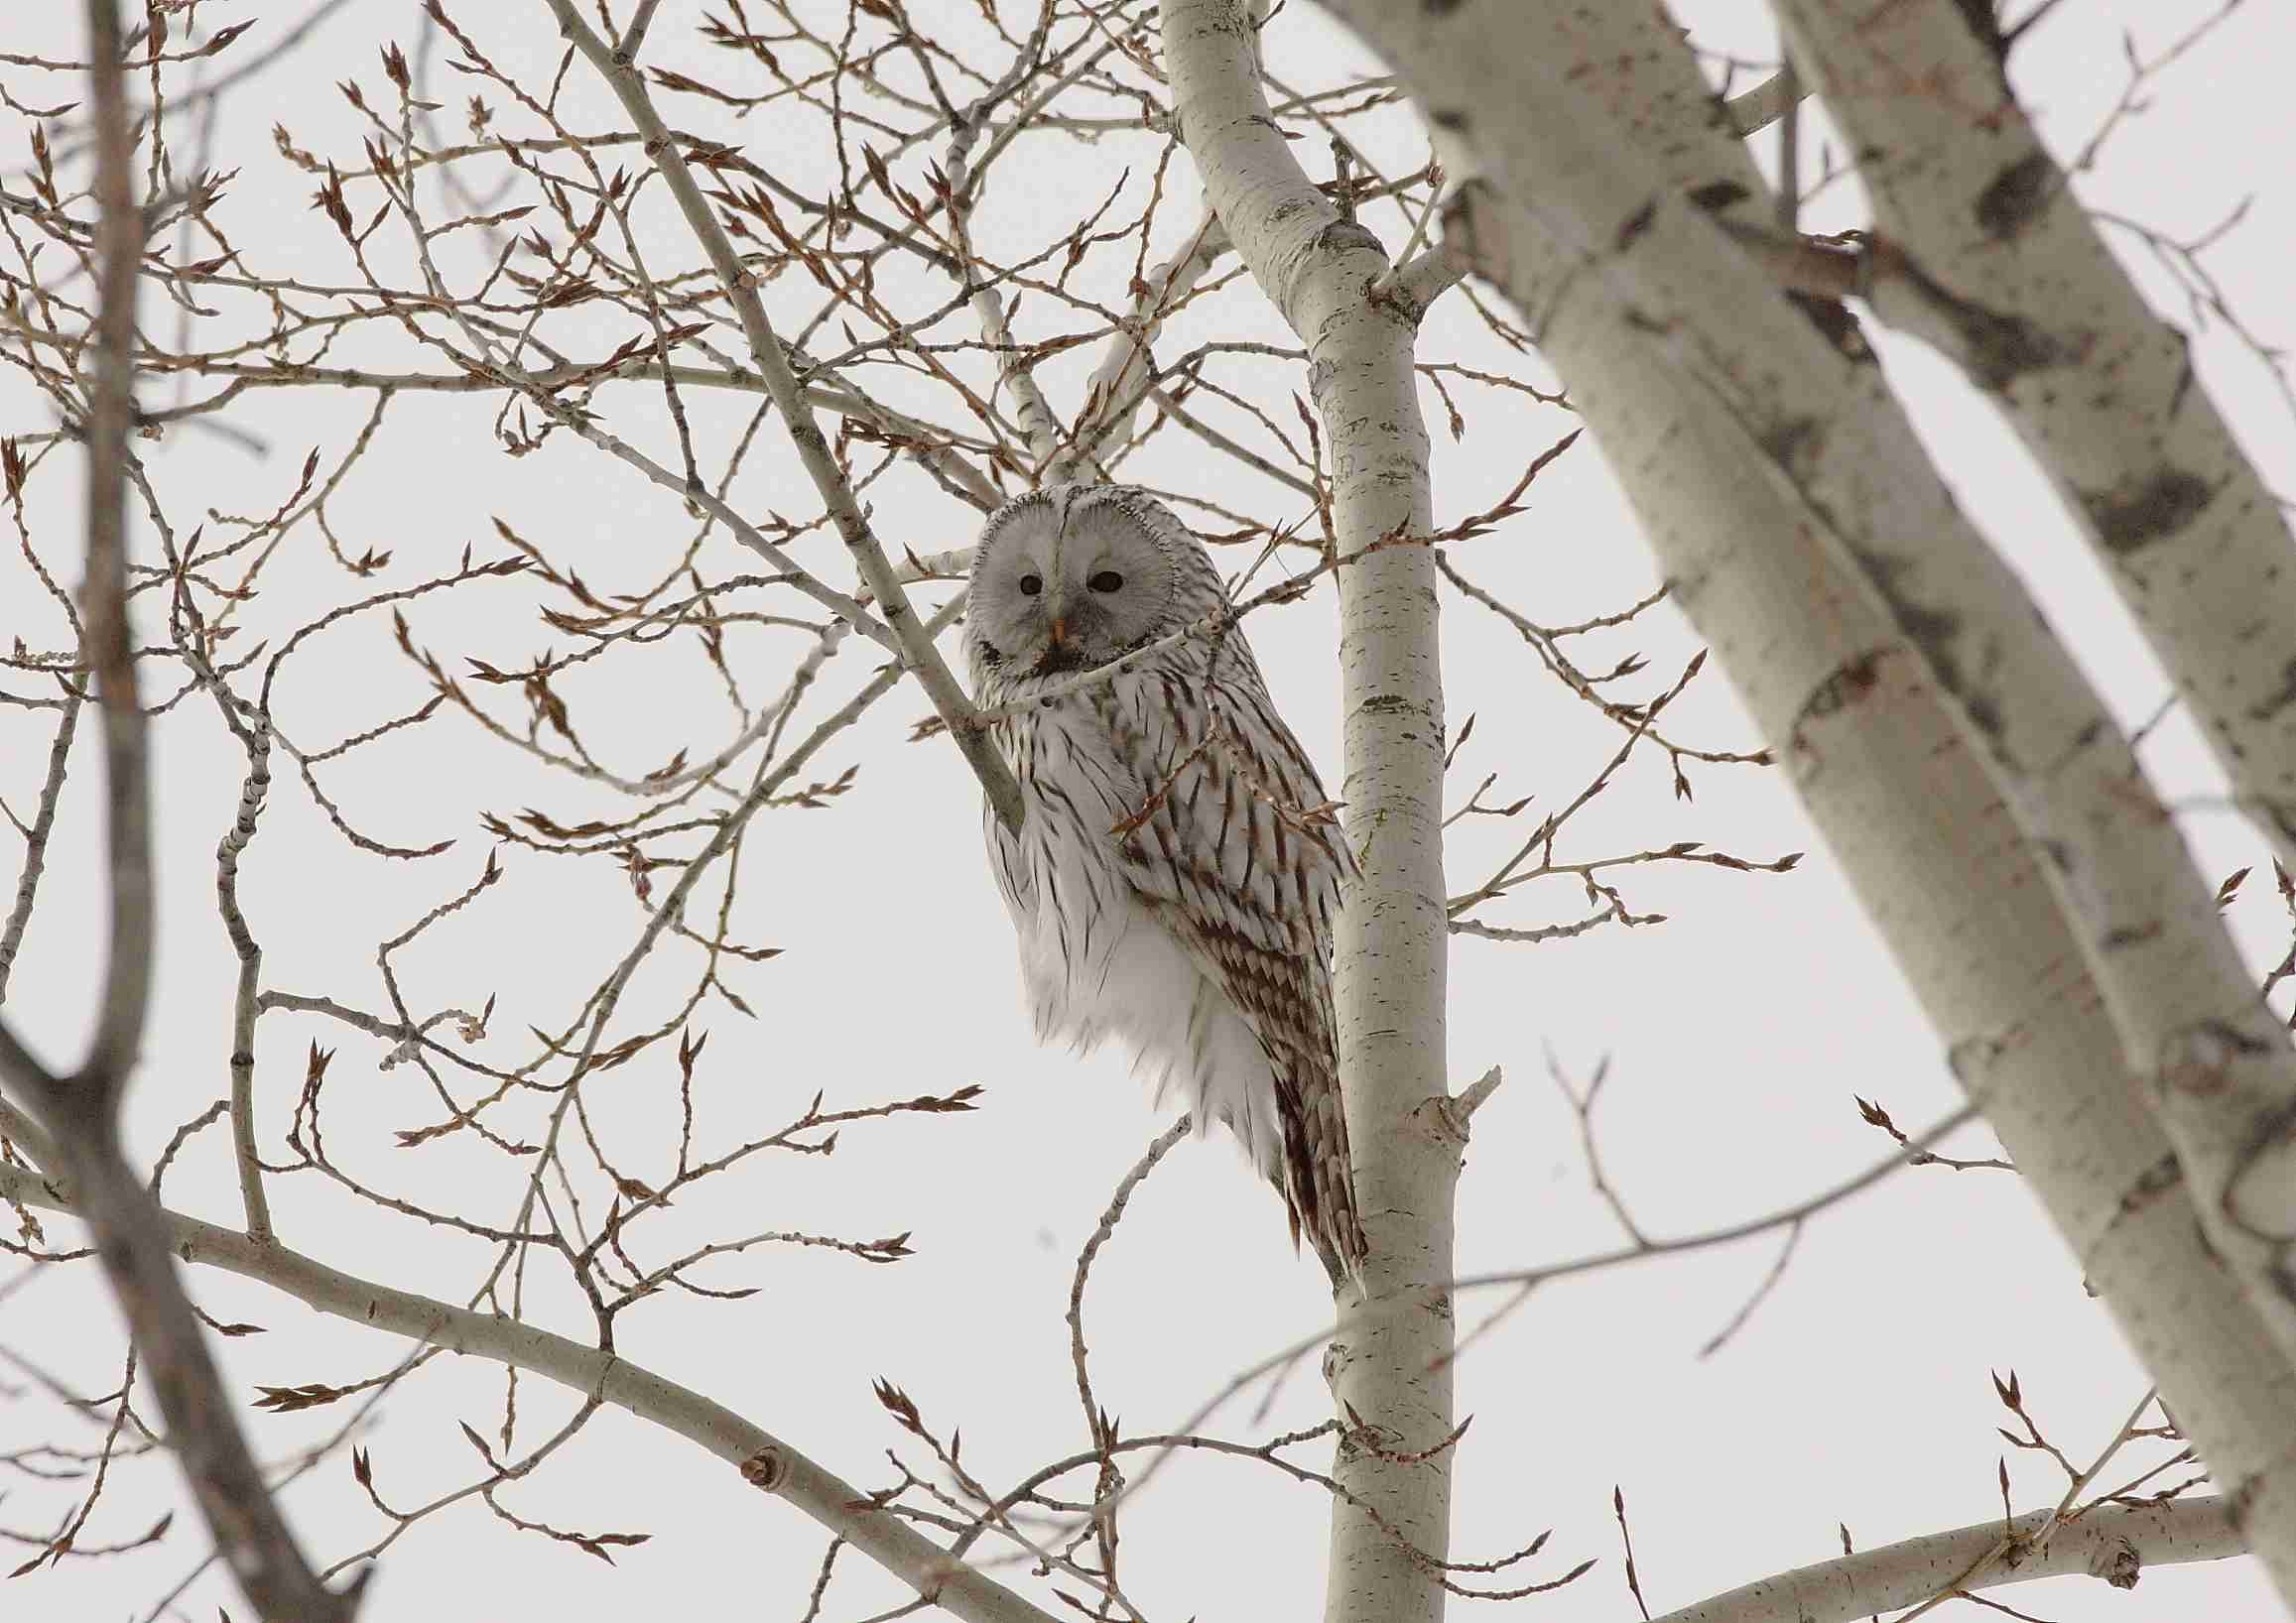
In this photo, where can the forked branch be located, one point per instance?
(82, 1112)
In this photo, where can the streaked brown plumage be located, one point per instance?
(1177, 876)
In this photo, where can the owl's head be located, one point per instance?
(1071, 577)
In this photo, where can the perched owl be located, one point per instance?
(1175, 876)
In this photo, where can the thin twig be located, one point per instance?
(765, 352)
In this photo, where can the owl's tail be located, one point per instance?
(1318, 1182)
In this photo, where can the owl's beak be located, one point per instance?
(1060, 654)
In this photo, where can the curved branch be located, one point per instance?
(764, 1459)
(2115, 1542)
(1753, 111)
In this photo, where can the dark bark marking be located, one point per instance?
(2000, 346)
(1984, 710)
(1851, 682)
(2279, 698)
(1283, 210)
(1342, 236)
(2013, 196)
(1937, 634)
(1717, 195)
(1847, 683)
(1634, 225)
(1836, 321)
(2155, 1181)
(1986, 23)
(1792, 443)
(2123, 935)
(2241, 1499)
(2134, 515)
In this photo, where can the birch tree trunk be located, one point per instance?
(1389, 1367)
(1990, 253)
(1966, 897)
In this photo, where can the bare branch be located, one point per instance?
(82, 1112)
(2115, 1542)
(765, 1461)
(765, 352)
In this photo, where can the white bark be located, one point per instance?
(2190, 1019)
(766, 1462)
(1561, 112)
(1390, 1366)
(2115, 1542)
(2007, 271)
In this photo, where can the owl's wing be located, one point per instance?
(1236, 849)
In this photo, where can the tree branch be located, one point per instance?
(764, 1459)
(2115, 1542)
(81, 1112)
(119, 244)
(765, 352)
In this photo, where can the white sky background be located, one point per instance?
(1737, 1029)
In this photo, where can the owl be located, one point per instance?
(1176, 875)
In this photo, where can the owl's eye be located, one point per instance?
(1031, 584)
(1106, 581)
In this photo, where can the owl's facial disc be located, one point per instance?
(1069, 585)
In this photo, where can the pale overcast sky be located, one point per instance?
(1736, 1030)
